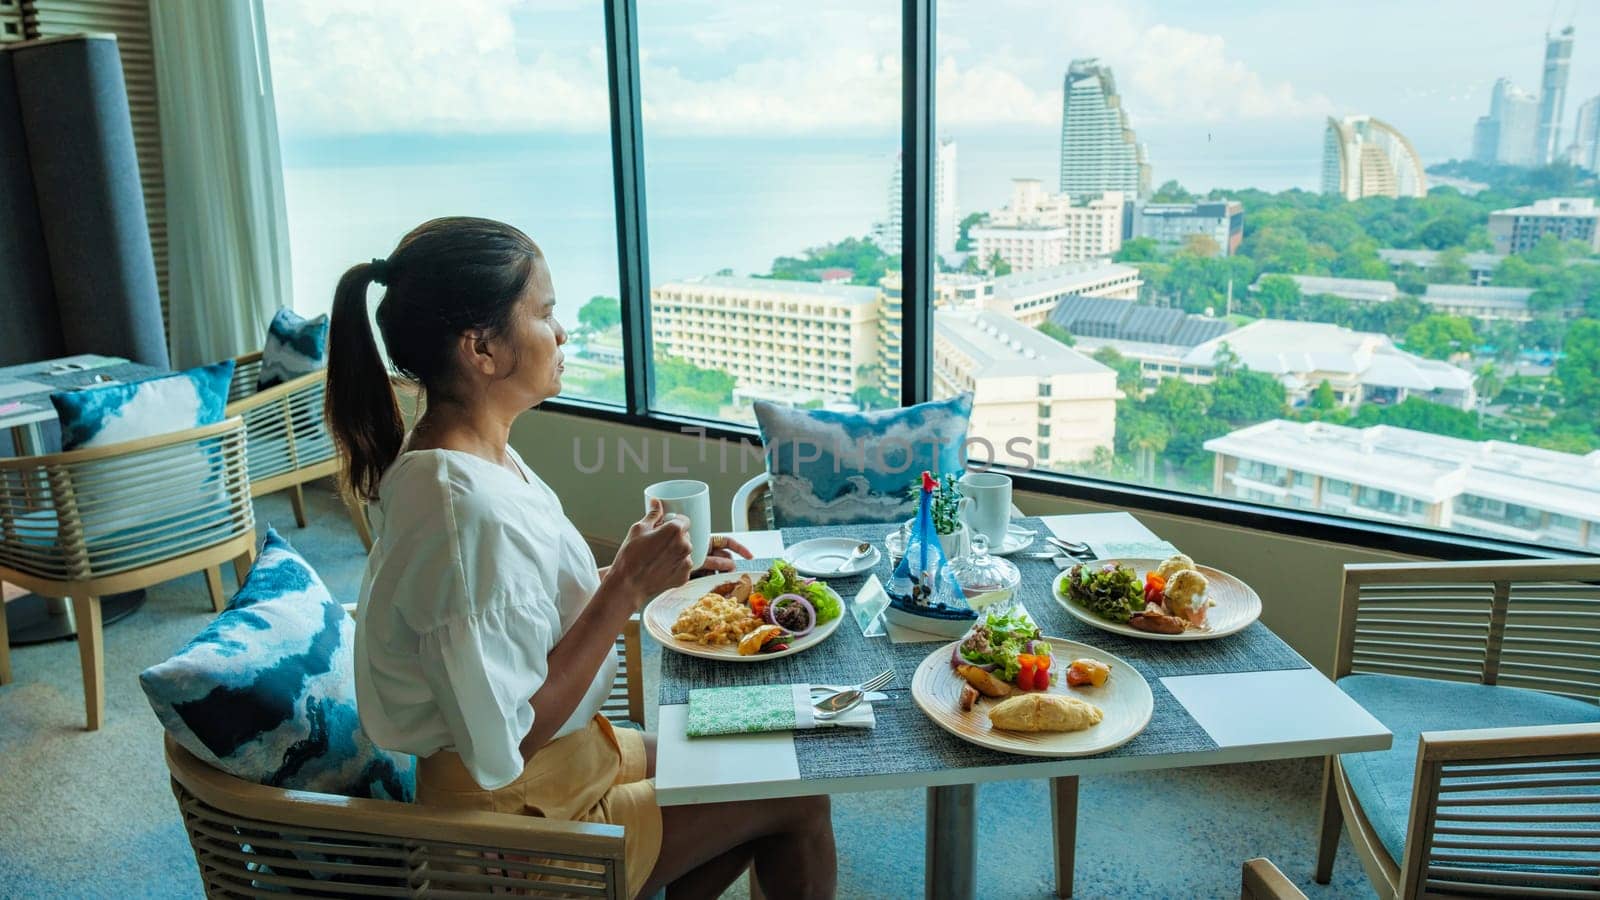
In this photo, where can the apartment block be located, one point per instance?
(1028, 297)
(798, 336)
(1172, 224)
(1039, 229)
(1030, 394)
(1520, 229)
(1400, 475)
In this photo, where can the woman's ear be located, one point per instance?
(476, 352)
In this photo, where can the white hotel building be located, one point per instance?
(1400, 475)
(1025, 385)
(1039, 230)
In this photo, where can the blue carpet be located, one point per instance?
(92, 815)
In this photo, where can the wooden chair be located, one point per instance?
(289, 441)
(249, 839)
(1261, 880)
(105, 520)
(1510, 811)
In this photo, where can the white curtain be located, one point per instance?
(226, 222)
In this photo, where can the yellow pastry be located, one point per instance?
(1044, 712)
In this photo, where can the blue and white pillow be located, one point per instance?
(832, 468)
(113, 413)
(267, 691)
(295, 346)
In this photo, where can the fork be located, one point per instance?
(845, 700)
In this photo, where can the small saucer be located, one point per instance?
(820, 557)
(1017, 538)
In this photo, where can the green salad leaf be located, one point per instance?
(1110, 591)
(998, 639)
(783, 579)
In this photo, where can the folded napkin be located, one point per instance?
(767, 707)
(1131, 549)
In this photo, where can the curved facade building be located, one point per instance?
(1366, 157)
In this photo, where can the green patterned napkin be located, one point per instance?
(744, 710)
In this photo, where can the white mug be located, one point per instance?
(989, 513)
(691, 499)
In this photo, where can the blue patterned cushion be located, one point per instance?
(832, 468)
(295, 346)
(113, 413)
(267, 691)
(1407, 706)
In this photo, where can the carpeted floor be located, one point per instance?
(91, 815)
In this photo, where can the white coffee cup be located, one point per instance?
(989, 513)
(692, 500)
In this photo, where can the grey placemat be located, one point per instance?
(904, 740)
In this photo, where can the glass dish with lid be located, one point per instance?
(986, 580)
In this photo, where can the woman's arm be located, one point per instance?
(577, 657)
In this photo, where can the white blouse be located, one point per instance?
(474, 577)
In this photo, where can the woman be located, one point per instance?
(485, 634)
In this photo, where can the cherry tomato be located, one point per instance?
(1025, 672)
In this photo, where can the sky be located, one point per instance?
(1262, 75)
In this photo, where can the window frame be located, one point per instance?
(918, 35)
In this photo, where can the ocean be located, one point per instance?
(713, 203)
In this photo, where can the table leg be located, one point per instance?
(950, 867)
(1064, 816)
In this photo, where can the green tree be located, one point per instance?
(1549, 251)
(1053, 330)
(998, 264)
(1277, 296)
(1171, 192)
(1514, 271)
(1244, 398)
(1578, 372)
(1323, 399)
(1420, 415)
(864, 258)
(1200, 245)
(1450, 267)
(1440, 337)
(600, 313)
(1129, 375)
(1443, 233)
(1147, 436)
(701, 388)
(1140, 249)
(964, 240)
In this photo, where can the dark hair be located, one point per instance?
(446, 277)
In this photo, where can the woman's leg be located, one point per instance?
(708, 845)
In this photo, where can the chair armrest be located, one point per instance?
(1486, 799)
(1261, 880)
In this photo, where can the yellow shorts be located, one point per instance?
(595, 774)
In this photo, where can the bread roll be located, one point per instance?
(1044, 712)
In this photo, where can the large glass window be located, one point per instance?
(1231, 276)
(390, 115)
(771, 139)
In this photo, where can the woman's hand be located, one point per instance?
(720, 558)
(654, 557)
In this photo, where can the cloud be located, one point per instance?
(368, 66)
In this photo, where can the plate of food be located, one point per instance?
(747, 617)
(1007, 687)
(1170, 599)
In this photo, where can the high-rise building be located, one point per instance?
(1039, 229)
(1366, 157)
(1586, 142)
(1099, 151)
(1173, 224)
(946, 215)
(1553, 95)
(1519, 126)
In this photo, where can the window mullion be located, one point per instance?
(916, 206)
(627, 163)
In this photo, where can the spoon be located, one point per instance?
(846, 700)
(1072, 547)
(862, 549)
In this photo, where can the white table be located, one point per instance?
(1251, 716)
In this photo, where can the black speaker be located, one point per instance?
(86, 174)
(29, 326)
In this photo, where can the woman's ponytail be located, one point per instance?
(360, 406)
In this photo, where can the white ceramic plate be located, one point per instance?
(1125, 700)
(1237, 604)
(821, 557)
(660, 613)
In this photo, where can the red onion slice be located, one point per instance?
(811, 612)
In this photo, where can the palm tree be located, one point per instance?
(1488, 383)
(1147, 436)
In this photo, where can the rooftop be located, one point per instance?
(1554, 206)
(842, 293)
(1423, 259)
(1468, 295)
(1000, 346)
(1125, 320)
(1426, 466)
(1066, 278)
(1349, 288)
(1285, 348)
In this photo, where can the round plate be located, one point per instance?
(661, 612)
(1237, 604)
(821, 557)
(1125, 700)
(1017, 538)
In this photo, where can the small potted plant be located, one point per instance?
(946, 508)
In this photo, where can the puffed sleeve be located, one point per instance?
(483, 669)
